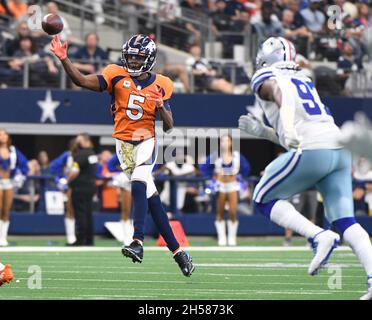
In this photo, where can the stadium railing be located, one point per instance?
(43, 183)
(39, 185)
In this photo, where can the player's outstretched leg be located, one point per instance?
(6, 274)
(285, 215)
(359, 241)
(160, 218)
(140, 208)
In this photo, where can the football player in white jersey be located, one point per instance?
(302, 124)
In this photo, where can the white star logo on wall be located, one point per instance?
(48, 108)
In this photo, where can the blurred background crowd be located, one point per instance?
(204, 45)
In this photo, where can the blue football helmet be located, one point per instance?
(138, 55)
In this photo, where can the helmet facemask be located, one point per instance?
(136, 62)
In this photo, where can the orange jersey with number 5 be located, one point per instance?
(133, 102)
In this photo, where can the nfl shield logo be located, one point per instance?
(126, 84)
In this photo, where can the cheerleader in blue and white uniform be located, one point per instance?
(12, 164)
(226, 171)
(61, 167)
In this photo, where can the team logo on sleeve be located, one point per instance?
(126, 84)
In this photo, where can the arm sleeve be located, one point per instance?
(245, 167)
(259, 77)
(57, 165)
(22, 164)
(113, 164)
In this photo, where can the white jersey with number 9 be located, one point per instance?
(313, 120)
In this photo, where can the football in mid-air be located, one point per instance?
(52, 24)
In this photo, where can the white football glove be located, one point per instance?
(255, 127)
(251, 125)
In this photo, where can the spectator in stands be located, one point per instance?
(347, 63)
(94, 56)
(267, 23)
(294, 6)
(42, 67)
(314, 18)
(239, 14)
(65, 34)
(172, 70)
(97, 6)
(107, 193)
(14, 8)
(43, 160)
(193, 10)
(181, 166)
(12, 45)
(299, 35)
(229, 17)
(27, 195)
(363, 15)
(206, 78)
(354, 30)
(168, 11)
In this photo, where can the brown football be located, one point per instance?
(52, 24)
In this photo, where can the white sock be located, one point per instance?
(1, 266)
(1, 229)
(70, 230)
(359, 241)
(285, 215)
(232, 231)
(221, 232)
(128, 231)
(4, 231)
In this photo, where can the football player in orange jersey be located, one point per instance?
(6, 274)
(137, 95)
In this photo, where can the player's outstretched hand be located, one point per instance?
(251, 125)
(59, 49)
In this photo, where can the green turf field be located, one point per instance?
(245, 272)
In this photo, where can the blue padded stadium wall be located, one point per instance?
(194, 224)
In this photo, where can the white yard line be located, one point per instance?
(192, 249)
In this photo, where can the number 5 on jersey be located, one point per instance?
(134, 111)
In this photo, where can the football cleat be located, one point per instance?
(6, 275)
(322, 244)
(184, 261)
(134, 251)
(368, 295)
